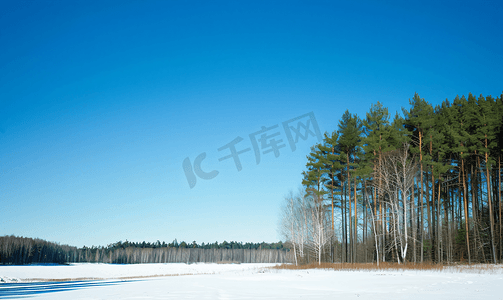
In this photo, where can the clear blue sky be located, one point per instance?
(101, 102)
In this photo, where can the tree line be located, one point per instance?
(194, 244)
(21, 250)
(424, 185)
(132, 255)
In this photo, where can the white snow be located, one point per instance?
(247, 281)
(87, 271)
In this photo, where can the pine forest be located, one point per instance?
(420, 186)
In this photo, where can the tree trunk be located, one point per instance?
(499, 197)
(433, 234)
(491, 217)
(466, 211)
(345, 227)
(350, 215)
(476, 217)
(428, 213)
(422, 199)
(414, 223)
(375, 228)
(439, 233)
(355, 235)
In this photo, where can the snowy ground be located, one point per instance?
(241, 281)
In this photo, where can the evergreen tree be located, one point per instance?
(350, 141)
(486, 131)
(332, 165)
(377, 133)
(316, 169)
(419, 121)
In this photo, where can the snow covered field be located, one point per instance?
(241, 281)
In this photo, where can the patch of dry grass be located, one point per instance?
(476, 269)
(363, 267)
(224, 262)
(386, 266)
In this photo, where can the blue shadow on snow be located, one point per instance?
(25, 290)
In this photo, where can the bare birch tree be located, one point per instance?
(305, 223)
(396, 174)
(295, 223)
(320, 230)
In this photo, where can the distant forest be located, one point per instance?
(194, 244)
(421, 186)
(20, 250)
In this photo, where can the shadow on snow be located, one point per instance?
(25, 290)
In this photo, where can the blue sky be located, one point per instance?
(101, 102)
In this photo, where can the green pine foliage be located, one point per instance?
(454, 210)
